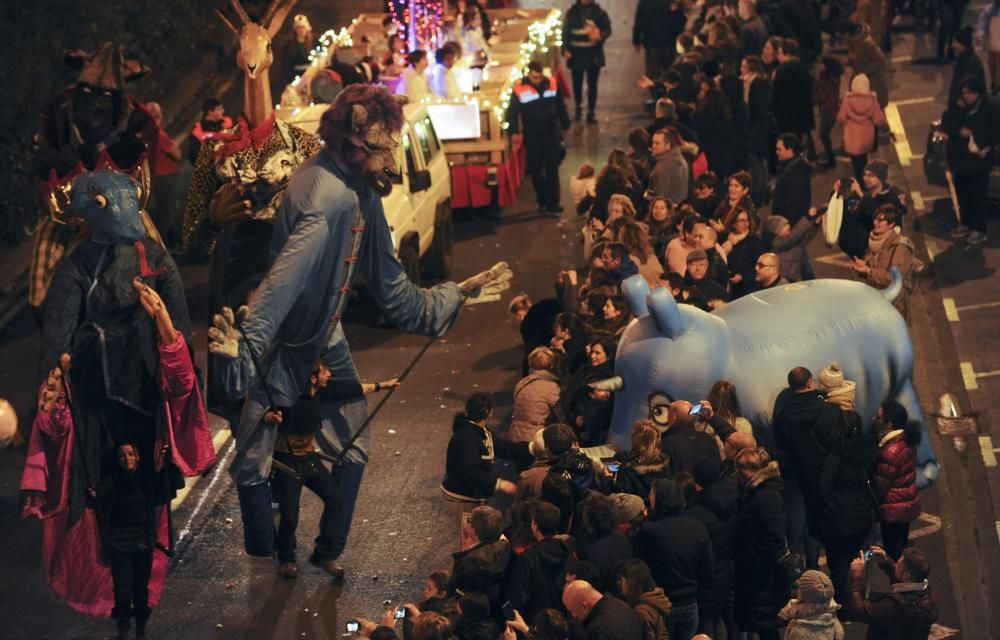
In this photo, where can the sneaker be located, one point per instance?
(976, 237)
(288, 570)
(960, 231)
(591, 117)
(331, 567)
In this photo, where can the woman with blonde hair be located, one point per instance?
(620, 206)
(645, 462)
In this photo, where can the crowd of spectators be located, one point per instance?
(686, 534)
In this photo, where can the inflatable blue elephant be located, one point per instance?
(678, 352)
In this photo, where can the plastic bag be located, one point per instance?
(832, 219)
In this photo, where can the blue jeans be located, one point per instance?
(683, 621)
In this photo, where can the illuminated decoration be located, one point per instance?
(420, 20)
(542, 36)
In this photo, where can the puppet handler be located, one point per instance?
(120, 415)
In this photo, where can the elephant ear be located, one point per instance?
(666, 313)
(636, 289)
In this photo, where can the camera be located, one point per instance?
(400, 613)
(352, 626)
(868, 555)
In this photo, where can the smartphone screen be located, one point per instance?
(400, 613)
(508, 610)
(352, 626)
(695, 409)
(868, 554)
(614, 466)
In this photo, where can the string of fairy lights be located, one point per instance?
(543, 36)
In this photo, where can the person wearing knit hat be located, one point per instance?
(296, 50)
(774, 224)
(813, 614)
(791, 242)
(627, 508)
(835, 388)
(967, 64)
(861, 116)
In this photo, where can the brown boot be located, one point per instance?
(331, 567)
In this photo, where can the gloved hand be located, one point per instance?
(224, 334)
(486, 286)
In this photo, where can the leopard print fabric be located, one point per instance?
(267, 168)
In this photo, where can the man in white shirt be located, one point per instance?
(443, 83)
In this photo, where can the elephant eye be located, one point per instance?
(101, 201)
(660, 414)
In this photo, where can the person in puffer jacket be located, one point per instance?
(861, 116)
(894, 479)
(535, 396)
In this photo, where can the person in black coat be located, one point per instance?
(792, 92)
(602, 544)
(975, 118)
(848, 500)
(792, 188)
(761, 587)
(745, 246)
(682, 442)
(759, 125)
(537, 578)
(715, 506)
(804, 428)
(602, 617)
(482, 538)
(585, 28)
(655, 28)
(470, 464)
(678, 551)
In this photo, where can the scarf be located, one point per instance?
(876, 241)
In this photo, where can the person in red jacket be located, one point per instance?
(894, 479)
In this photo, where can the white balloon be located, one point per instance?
(8, 421)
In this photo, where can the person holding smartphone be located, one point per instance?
(682, 442)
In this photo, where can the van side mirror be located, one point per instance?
(420, 180)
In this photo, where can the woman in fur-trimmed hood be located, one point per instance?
(761, 588)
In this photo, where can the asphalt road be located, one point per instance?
(401, 530)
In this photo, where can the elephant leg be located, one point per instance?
(927, 464)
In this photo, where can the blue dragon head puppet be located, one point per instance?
(110, 202)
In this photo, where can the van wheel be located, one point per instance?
(441, 255)
(409, 257)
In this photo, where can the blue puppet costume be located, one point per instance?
(330, 225)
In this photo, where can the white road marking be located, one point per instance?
(971, 377)
(918, 200)
(909, 101)
(218, 441)
(933, 526)
(950, 310)
(988, 450)
(968, 376)
(981, 305)
(902, 144)
(932, 248)
(835, 259)
(217, 473)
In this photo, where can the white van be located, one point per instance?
(419, 207)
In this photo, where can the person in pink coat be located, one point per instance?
(81, 556)
(861, 116)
